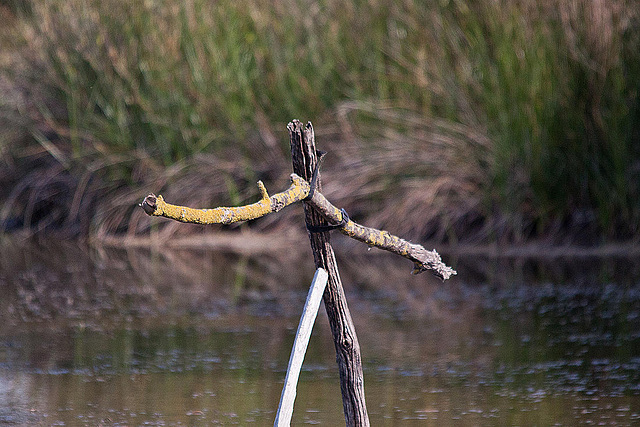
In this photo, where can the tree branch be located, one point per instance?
(422, 258)
(156, 206)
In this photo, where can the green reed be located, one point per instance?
(553, 87)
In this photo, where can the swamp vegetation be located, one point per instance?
(501, 121)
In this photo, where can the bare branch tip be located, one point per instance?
(150, 203)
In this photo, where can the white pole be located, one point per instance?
(308, 318)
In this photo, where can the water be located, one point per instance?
(114, 337)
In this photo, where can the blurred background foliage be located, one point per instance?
(496, 121)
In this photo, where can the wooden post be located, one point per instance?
(304, 157)
(308, 318)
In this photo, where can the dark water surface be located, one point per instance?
(113, 337)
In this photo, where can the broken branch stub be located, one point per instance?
(423, 259)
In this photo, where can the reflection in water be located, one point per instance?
(113, 337)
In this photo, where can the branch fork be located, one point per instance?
(299, 190)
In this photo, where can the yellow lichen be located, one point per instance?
(227, 215)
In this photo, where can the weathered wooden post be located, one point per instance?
(305, 158)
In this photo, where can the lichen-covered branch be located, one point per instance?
(156, 206)
(422, 258)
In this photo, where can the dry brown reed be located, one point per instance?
(499, 120)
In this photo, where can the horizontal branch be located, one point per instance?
(156, 206)
(422, 258)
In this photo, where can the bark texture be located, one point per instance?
(304, 157)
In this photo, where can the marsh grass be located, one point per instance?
(501, 120)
